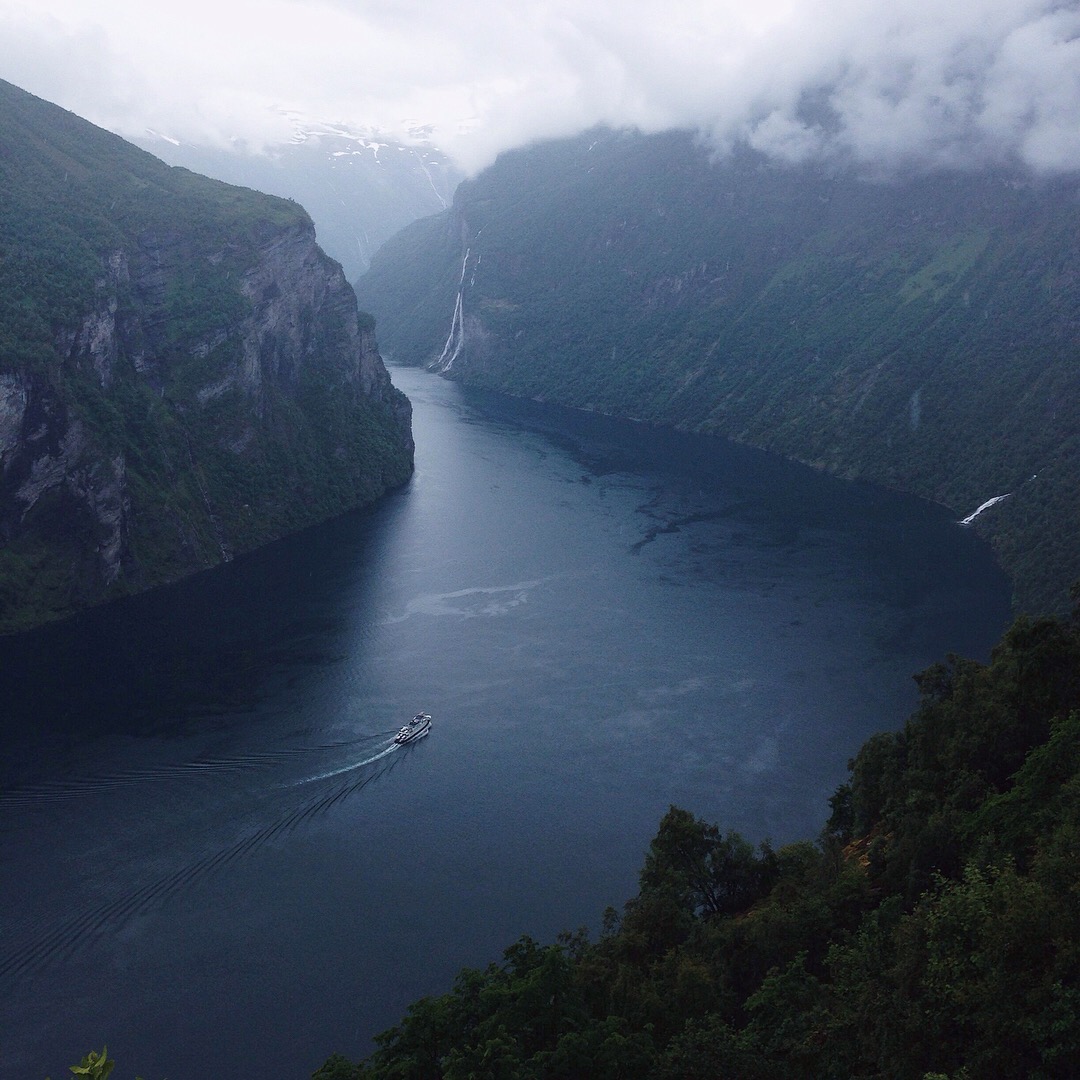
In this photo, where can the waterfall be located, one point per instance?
(985, 506)
(456, 338)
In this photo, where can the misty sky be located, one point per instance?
(886, 83)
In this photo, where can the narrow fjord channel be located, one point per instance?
(217, 861)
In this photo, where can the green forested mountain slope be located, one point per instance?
(183, 373)
(923, 333)
(932, 933)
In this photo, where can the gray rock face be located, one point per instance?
(14, 395)
(292, 279)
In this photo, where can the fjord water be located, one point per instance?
(217, 861)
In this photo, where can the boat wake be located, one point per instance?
(83, 785)
(479, 602)
(348, 768)
(53, 942)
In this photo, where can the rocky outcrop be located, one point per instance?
(205, 386)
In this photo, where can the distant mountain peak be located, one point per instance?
(359, 183)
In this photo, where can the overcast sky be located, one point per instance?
(885, 82)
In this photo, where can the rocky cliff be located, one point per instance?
(184, 375)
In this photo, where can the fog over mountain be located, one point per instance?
(883, 84)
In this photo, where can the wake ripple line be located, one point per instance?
(78, 787)
(65, 939)
(349, 768)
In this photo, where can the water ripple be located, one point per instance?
(86, 784)
(55, 942)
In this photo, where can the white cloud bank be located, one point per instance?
(885, 83)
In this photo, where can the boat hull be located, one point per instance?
(417, 728)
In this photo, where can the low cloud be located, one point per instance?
(883, 84)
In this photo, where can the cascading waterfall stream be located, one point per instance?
(985, 506)
(427, 173)
(456, 338)
(993, 502)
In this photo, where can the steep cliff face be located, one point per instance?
(183, 373)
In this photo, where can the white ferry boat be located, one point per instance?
(416, 728)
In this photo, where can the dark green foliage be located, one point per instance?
(933, 931)
(708, 873)
(97, 1066)
(919, 333)
(337, 1067)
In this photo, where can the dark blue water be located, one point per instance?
(214, 857)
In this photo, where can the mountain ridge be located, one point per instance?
(184, 374)
(919, 334)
